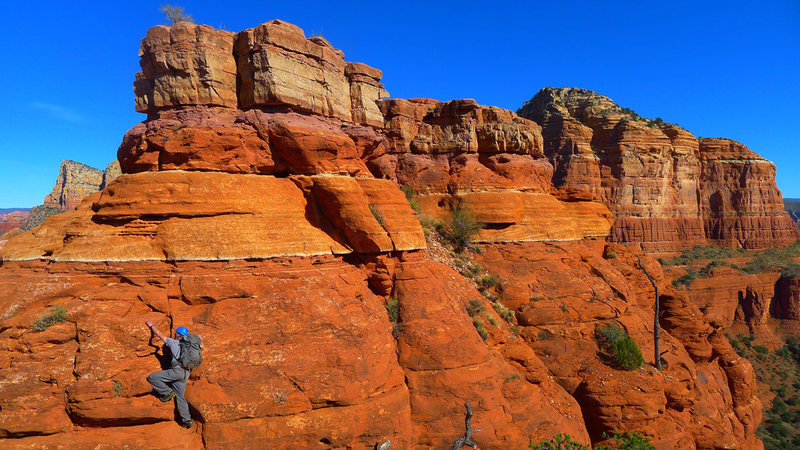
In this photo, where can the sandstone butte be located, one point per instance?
(259, 205)
(75, 181)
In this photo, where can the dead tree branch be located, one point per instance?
(467, 439)
(656, 331)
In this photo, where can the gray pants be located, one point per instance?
(172, 380)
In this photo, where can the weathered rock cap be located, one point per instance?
(274, 64)
(185, 64)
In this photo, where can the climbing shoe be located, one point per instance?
(167, 397)
(188, 424)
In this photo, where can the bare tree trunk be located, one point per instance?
(656, 331)
(467, 439)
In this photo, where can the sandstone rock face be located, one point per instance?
(259, 206)
(667, 189)
(270, 65)
(486, 158)
(562, 292)
(179, 215)
(787, 296)
(741, 205)
(185, 64)
(75, 181)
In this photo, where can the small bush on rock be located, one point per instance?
(57, 314)
(175, 14)
(629, 440)
(461, 228)
(560, 442)
(624, 351)
(377, 214)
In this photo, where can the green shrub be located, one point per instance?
(487, 281)
(543, 335)
(461, 228)
(57, 314)
(627, 354)
(474, 308)
(410, 193)
(629, 440)
(481, 327)
(761, 349)
(393, 309)
(377, 214)
(623, 349)
(116, 388)
(505, 313)
(560, 442)
(686, 279)
(610, 334)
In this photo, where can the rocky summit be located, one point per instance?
(260, 205)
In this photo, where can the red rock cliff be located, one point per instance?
(259, 206)
(667, 189)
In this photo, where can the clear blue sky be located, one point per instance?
(729, 69)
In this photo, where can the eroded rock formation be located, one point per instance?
(667, 189)
(75, 181)
(259, 206)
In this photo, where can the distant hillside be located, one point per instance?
(792, 206)
(8, 210)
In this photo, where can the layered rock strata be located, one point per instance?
(488, 159)
(667, 189)
(272, 64)
(75, 181)
(259, 206)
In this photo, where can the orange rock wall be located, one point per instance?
(668, 190)
(259, 206)
(270, 65)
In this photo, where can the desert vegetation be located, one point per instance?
(619, 347)
(622, 441)
(700, 261)
(57, 314)
(780, 371)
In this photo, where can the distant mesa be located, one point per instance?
(667, 189)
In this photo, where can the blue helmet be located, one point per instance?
(183, 331)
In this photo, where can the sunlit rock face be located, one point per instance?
(667, 189)
(260, 206)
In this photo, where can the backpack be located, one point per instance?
(191, 351)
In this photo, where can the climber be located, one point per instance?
(171, 382)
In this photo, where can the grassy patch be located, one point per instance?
(772, 259)
(377, 214)
(505, 313)
(410, 193)
(629, 440)
(57, 314)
